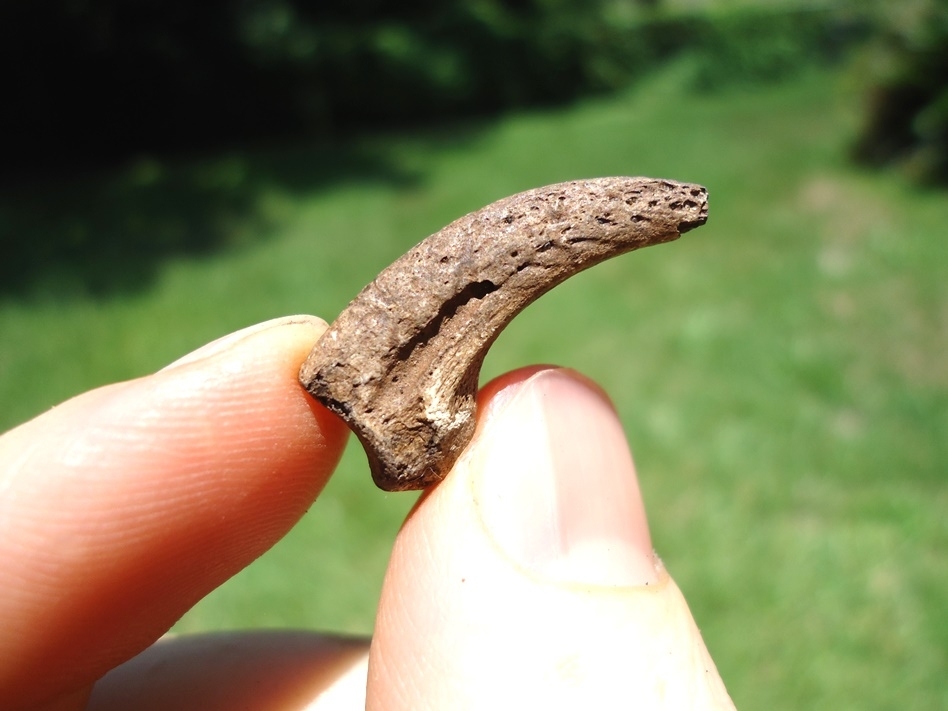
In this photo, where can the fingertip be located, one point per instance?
(129, 503)
(304, 328)
(254, 374)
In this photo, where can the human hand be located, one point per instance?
(525, 580)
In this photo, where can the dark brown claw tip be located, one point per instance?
(400, 365)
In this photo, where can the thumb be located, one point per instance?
(527, 578)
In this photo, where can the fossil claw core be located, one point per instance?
(400, 365)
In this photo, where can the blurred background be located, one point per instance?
(172, 171)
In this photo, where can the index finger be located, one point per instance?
(124, 506)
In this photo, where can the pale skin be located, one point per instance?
(526, 579)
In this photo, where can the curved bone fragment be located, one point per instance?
(400, 365)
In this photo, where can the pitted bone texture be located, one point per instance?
(400, 365)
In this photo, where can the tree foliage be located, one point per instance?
(92, 78)
(100, 80)
(907, 121)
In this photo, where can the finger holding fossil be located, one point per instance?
(401, 363)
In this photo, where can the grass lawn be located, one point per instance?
(781, 372)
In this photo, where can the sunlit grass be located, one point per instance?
(780, 372)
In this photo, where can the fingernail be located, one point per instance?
(558, 490)
(224, 343)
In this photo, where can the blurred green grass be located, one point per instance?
(781, 372)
